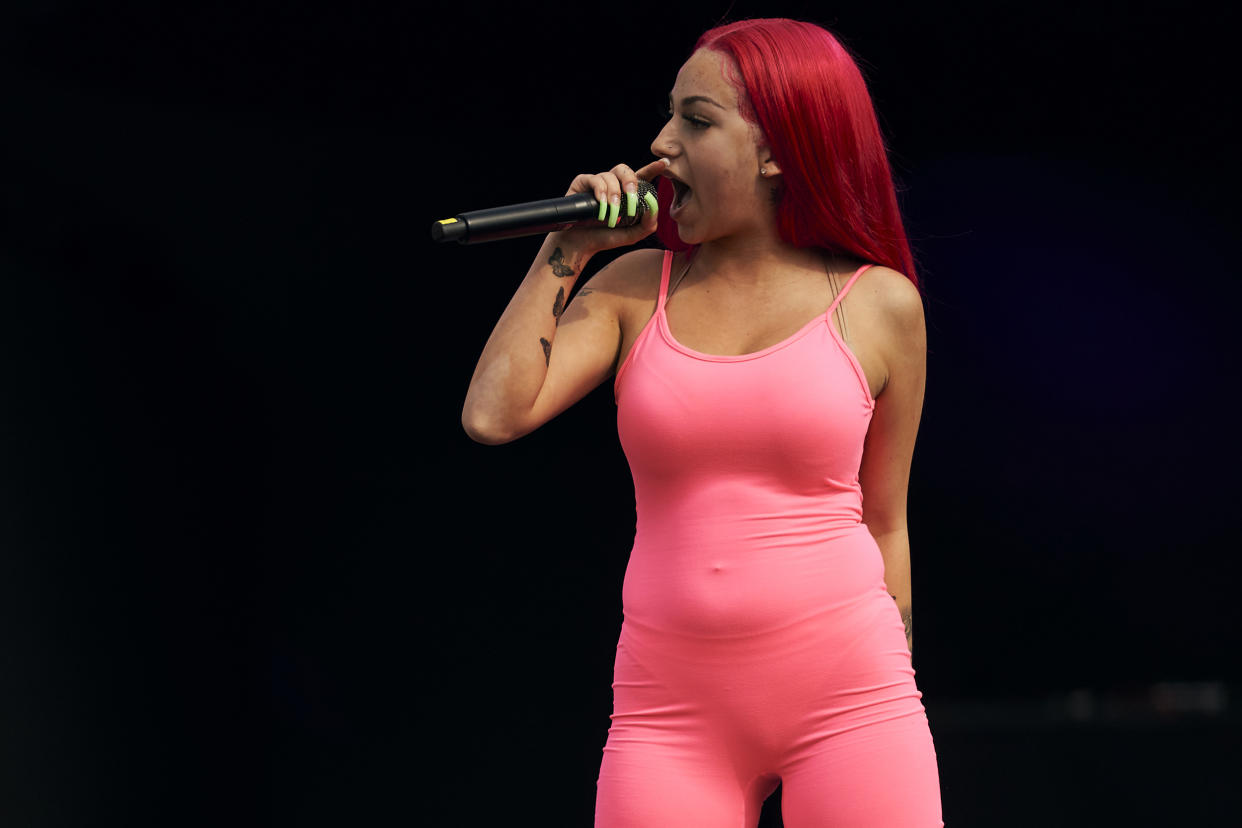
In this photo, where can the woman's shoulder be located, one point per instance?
(634, 270)
(631, 281)
(891, 293)
(630, 285)
(885, 302)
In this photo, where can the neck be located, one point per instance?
(761, 262)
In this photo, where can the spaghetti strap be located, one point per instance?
(668, 266)
(846, 289)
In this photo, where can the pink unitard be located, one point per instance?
(759, 643)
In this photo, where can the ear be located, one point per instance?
(767, 162)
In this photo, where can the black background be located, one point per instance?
(254, 572)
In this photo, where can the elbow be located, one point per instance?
(488, 438)
(485, 430)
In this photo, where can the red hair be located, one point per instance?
(802, 88)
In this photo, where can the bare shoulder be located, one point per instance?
(633, 274)
(626, 290)
(630, 285)
(617, 301)
(892, 291)
(895, 302)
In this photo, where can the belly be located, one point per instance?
(728, 581)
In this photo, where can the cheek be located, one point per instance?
(737, 186)
(740, 167)
(727, 178)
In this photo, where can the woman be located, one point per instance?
(769, 379)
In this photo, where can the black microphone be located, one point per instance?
(534, 217)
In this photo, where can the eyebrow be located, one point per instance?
(696, 99)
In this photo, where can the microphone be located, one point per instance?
(534, 217)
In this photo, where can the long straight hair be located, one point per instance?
(803, 89)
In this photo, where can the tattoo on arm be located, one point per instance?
(559, 268)
(907, 618)
(558, 307)
(547, 351)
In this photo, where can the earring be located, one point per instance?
(763, 170)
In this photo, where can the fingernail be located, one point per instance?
(614, 211)
(652, 205)
(631, 201)
(603, 209)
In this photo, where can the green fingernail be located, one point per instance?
(652, 204)
(614, 212)
(631, 204)
(603, 209)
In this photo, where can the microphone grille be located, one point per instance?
(645, 188)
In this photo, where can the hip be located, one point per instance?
(841, 668)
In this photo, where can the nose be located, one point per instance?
(664, 146)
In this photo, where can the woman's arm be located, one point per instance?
(887, 454)
(895, 550)
(535, 365)
(516, 363)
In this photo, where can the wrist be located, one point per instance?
(564, 250)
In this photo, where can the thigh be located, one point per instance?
(650, 788)
(875, 776)
(667, 762)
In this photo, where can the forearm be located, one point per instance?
(895, 550)
(514, 363)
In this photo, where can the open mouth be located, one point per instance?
(681, 192)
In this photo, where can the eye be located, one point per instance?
(692, 121)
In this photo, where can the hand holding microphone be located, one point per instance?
(614, 209)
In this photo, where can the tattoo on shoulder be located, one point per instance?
(558, 306)
(586, 291)
(547, 351)
(559, 268)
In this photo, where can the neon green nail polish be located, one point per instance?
(614, 212)
(603, 209)
(652, 204)
(631, 204)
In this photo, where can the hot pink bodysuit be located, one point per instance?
(759, 643)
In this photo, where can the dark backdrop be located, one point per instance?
(253, 571)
